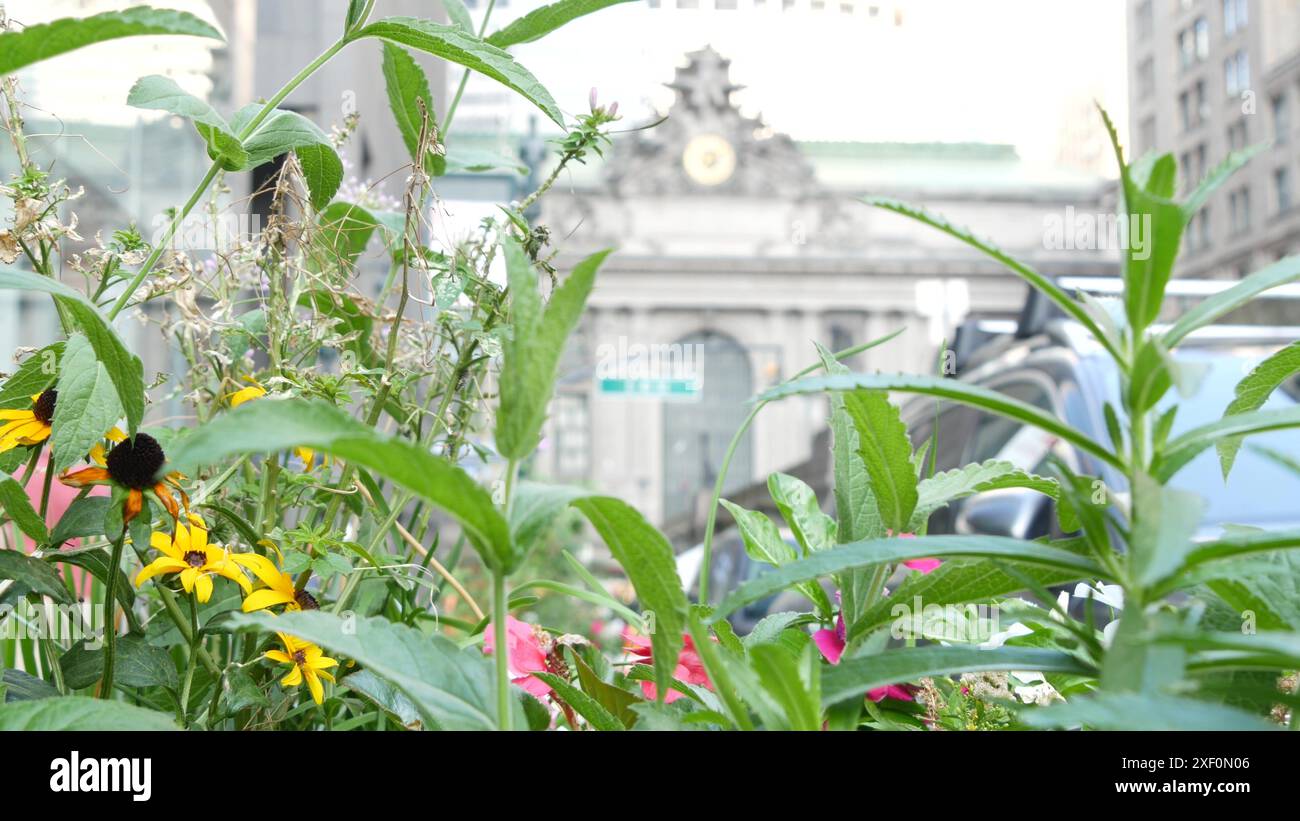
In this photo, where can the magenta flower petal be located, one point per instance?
(923, 565)
(830, 643)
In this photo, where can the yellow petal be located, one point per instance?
(115, 434)
(277, 655)
(325, 676)
(230, 571)
(163, 544)
(263, 568)
(317, 691)
(243, 395)
(41, 435)
(322, 663)
(203, 586)
(17, 414)
(187, 578)
(181, 541)
(163, 564)
(293, 679)
(261, 599)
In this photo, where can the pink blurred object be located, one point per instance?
(61, 498)
(689, 670)
(525, 654)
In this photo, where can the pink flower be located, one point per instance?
(923, 565)
(525, 654)
(690, 670)
(831, 643)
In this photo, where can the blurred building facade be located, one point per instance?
(1212, 76)
(738, 248)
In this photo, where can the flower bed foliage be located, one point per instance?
(336, 537)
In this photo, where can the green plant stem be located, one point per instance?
(501, 652)
(110, 607)
(711, 522)
(214, 169)
(193, 662)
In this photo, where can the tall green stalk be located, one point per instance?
(110, 606)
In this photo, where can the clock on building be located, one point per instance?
(709, 159)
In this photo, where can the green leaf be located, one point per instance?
(33, 574)
(1044, 284)
(543, 20)
(15, 685)
(18, 507)
(285, 131)
(1281, 272)
(586, 706)
(1273, 596)
(1166, 520)
(136, 663)
(453, 688)
(459, 15)
(763, 543)
(944, 488)
(957, 582)
(458, 46)
(270, 426)
(876, 551)
(37, 373)
(384, 696)
(857, 517)
(123, 367)
(84, 517)
(1155, 236)
(1142, 712)
(647, 558)
(81, 714)
(532, 356)
(886, 452)
(477, 161)
(88, 405)
(794, 682)
(1253, 391)
(960, 392)
(853, 677)
(1234, 162)
(41, 42)
(163, 94)
(95, 561)
(797, 502)
(1183, 449)
(407, 89)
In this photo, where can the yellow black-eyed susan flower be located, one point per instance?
(309, 662)
(28, 427)
(280, 586)
(189, 554)
(133, 466)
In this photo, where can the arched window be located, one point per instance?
(697, 432)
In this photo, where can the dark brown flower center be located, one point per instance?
(196, 558)
(43, 408)
(300, 657)
(135, 465)
(305, 600)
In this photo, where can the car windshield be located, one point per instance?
(1259, 491)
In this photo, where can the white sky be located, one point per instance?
(957, 70)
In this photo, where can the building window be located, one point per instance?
(1147, 135)
(1236, 73)
(1238, 135)
(1193, 107)
(1146, 78)
(1239, 210)
(1281, 119)
(572, 434)
(1235, 16)
(1282, 188)
(1145, 19)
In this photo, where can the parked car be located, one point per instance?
(1052, 363)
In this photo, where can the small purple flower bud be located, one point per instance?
(613, 109)
(592, 99)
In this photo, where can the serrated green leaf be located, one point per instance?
(46, 40)
(1187, 446)
(886, 451)
(763, 543)
(285, 131)
(532, 356)
(123, 367)
(1253, 391)
(798, 504)
(136, 663)
(541, 21)
(877, 551)
(458, 15)
(408, 89)
(978, 477)
(584, 705)
(33, 574)
(87, 407)
(1283, 271)
(455, 44)
(1142, 712)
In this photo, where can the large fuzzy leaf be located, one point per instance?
(163, 94)
(46, 40)
(88, 405)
